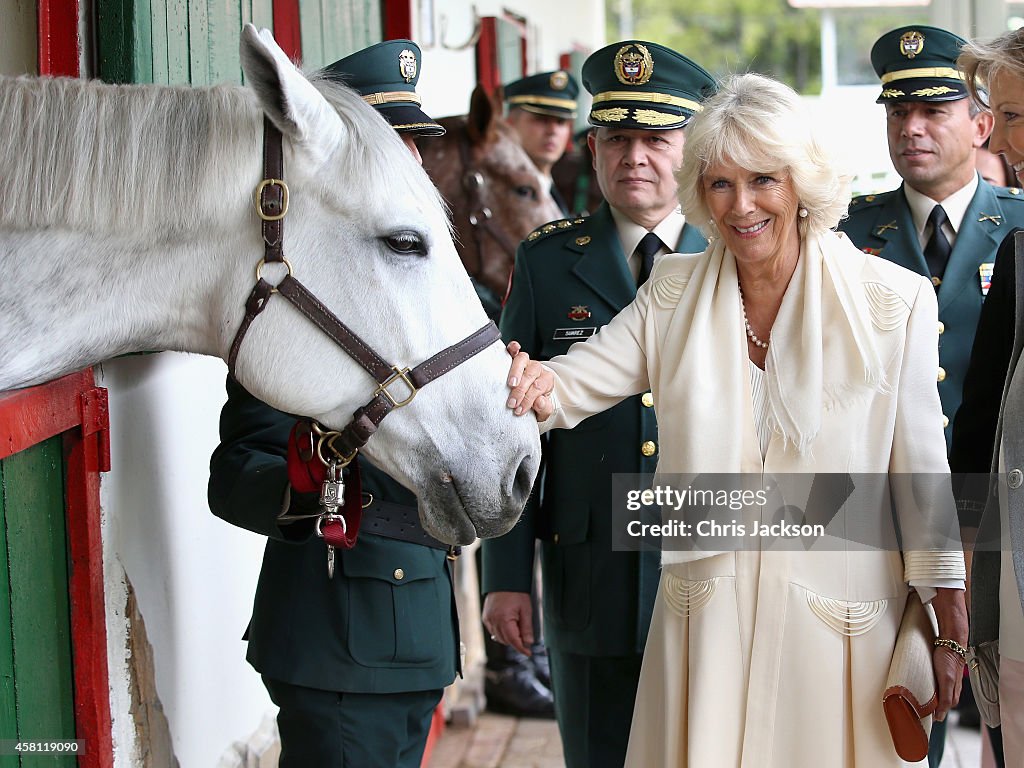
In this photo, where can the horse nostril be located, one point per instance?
(524, 477)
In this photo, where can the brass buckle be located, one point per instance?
(284, 199)
(399, 374)
(326, 438)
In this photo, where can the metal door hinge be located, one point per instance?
(96, 421)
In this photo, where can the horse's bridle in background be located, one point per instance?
(480, 216)
(337, 447)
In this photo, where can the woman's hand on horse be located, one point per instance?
(531, 384)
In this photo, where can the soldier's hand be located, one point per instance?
(531, 384)
(508, 616)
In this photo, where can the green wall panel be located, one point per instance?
(8, 708)
(37, 585)
(331, 30)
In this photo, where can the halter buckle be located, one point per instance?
(325, 440)
(258, 195)
(398, 375)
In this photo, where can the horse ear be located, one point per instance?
(484, 112)
(288, 99)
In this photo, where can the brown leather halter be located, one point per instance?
(480, 216)
(271, 199)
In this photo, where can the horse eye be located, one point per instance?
(406, 243)
(527, 191)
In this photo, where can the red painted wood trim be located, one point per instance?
(87, 598)
(29, 416)
(487, 73)
(436, 731)
(397, 19)
(58, 37)
(287, 30)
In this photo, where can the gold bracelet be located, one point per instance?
(953, 645)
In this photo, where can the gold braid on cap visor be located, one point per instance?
(905, 74)
(391, 97)
(653, 98)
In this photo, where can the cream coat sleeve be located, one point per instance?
(605, 369)
(919, 472)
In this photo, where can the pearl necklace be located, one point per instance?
(746, 323)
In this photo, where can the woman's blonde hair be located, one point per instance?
(761, 125)
(981, 60)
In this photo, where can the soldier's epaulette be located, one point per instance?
(561, 225)
(867, 201)
(1009, 193)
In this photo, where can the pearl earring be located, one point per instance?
(802, 212)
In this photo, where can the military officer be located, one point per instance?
(542, 109)
(944, 222)
(358, 662)
(934, 132)
(570, 278)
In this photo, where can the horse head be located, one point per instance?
(369, 237)
(495, 192)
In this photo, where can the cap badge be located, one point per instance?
(633, 64)
(407, 65)
(558, 80)
(911, 43)
(579, 312)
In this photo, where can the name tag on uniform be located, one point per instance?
(985, 276)
(572, 334)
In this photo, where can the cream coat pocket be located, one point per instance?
(687, 598)
(847, 617)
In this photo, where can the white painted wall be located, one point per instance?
(448, 76)
(193, 574)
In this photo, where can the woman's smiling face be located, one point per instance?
(755, 212)
(1006, 95)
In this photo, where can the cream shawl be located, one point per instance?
(823, 324)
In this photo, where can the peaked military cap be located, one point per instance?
(385, 75)
(918, 63)
(546, 93)
(637, 84)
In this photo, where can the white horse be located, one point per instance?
(127, 223)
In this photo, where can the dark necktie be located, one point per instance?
(936, 250)
(649, 245)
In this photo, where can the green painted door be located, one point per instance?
(36, 684)
(196, 41)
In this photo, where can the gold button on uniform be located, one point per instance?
(648, 448)
(647, 399)
(942, 374)
(399, 574)
(942, 327)
(945, 421)
(555, 538)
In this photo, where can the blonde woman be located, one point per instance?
(781, 349)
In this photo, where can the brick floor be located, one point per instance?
(498, 741)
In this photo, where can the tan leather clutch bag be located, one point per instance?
(910, 697)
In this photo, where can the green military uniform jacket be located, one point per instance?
(570, 280)
(882, 225)
(367, 630)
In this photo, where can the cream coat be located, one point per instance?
(760, 659)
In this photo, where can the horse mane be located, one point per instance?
(91, 156)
